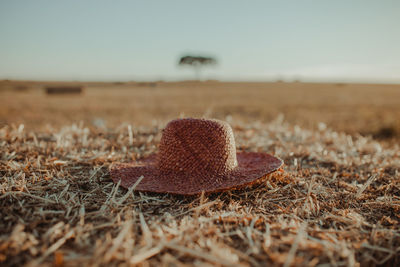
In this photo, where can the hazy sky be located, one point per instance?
(252, 40)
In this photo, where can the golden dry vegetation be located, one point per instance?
(337, 203)
(353, 108)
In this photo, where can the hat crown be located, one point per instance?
(197, 146)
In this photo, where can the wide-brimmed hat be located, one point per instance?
(195, 156)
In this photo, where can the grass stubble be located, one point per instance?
(336, 203)
(367, 109)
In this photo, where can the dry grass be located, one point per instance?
(352, 108)
(337, 203)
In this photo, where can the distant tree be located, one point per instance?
(197, 62)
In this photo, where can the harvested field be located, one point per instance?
(336, 203)
(369, 109)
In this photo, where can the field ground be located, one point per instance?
(337, 202)
(353, 108)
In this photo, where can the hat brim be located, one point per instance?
(252, 166)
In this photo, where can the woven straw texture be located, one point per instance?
(196, 155)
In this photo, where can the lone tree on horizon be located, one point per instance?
(197, 62)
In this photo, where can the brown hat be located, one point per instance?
(195, 155)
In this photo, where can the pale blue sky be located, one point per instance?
(252, 40)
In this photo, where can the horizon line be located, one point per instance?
(290, 81)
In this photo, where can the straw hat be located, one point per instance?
(195, 155)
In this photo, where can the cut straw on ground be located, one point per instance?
(336, 203)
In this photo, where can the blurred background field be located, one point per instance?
(366, 109)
